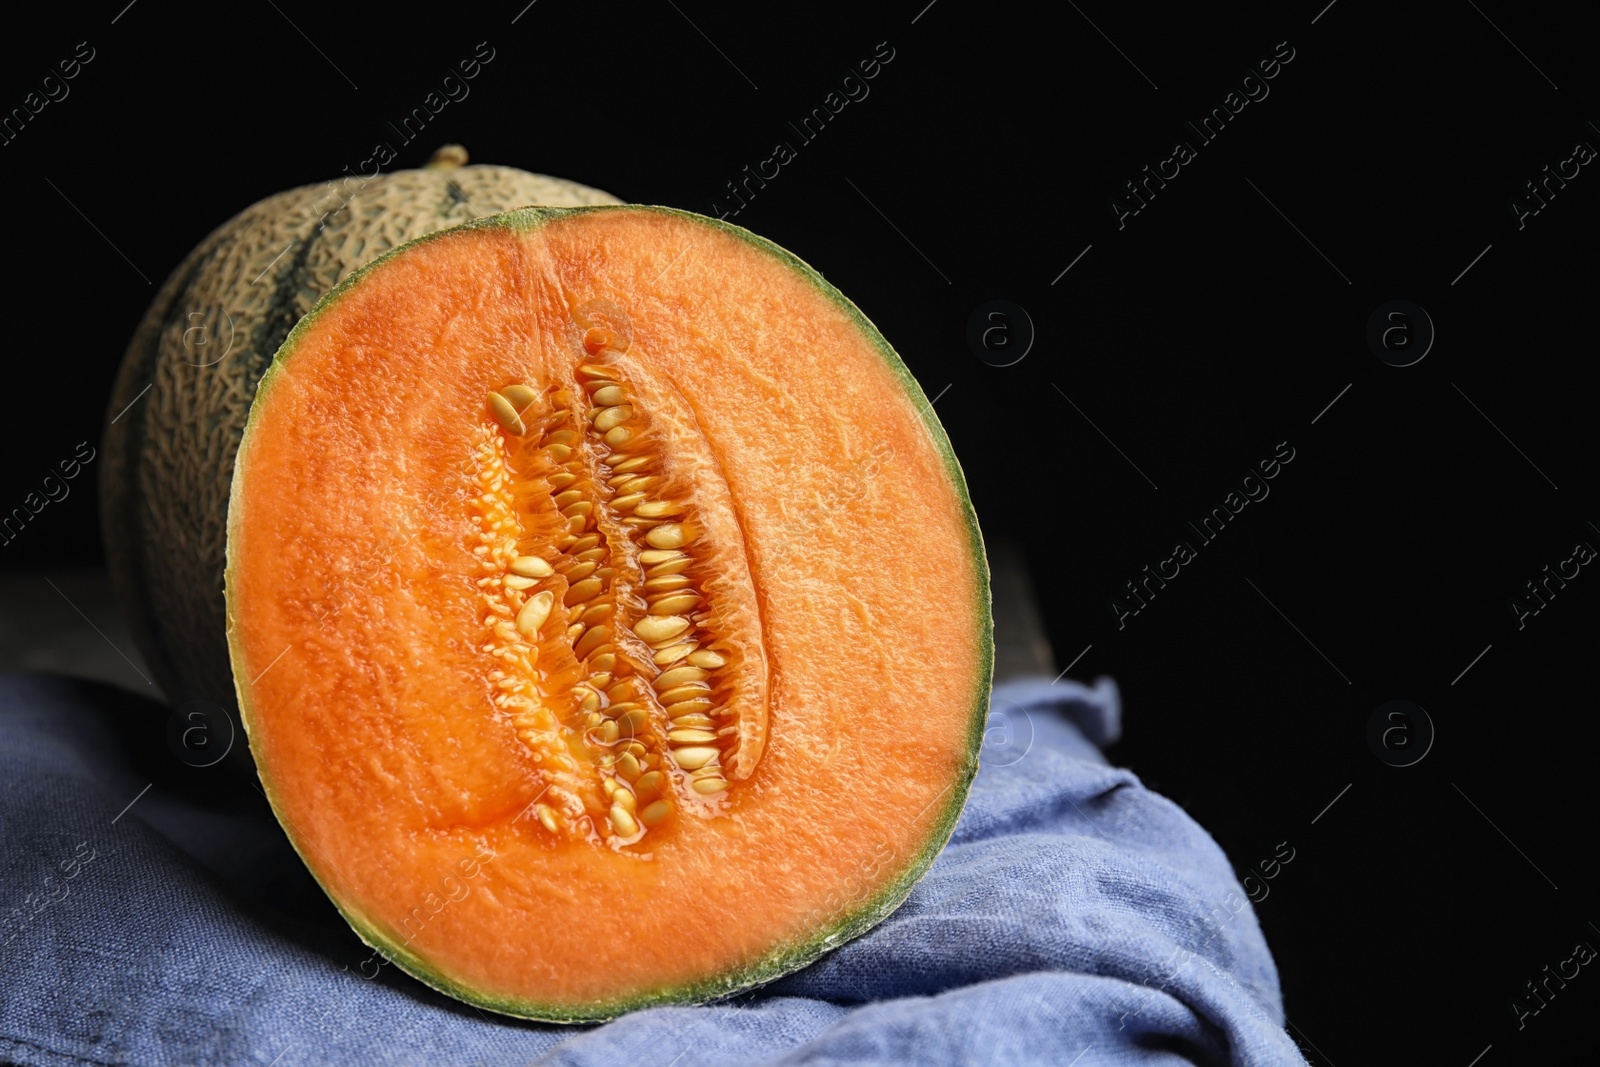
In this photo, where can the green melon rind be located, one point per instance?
(787, 958)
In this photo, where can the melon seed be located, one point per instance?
(649, 782)
(609, 395)
(687, 691)
(628, 767)
(633, 464)
(653, 814)
(650, 557)
(517, 581)
(602, 661)
(670, 567)
(578, 572)
(694, 705)
(657, 508)
(561, 479)
(531, 567)
(666, 583)
(654, 628)
(692, 759)
(534, 612)
(591, 640)
(570, 496)
(632, 723)
(671, 535)
(618, 436)
(679, 675)
(547, 818)
(675, 604)
(673, 653)
(610, 418)
(505, 414)
(625, 800)
(596, 612)
(561, 437)
(708, 659)
(628, 502)
(609, 731)
(582, 591)
(708, 786)
(695, 722)
(594, 370)
(622, 821)
(519, 395)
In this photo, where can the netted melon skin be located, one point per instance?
(183, 394)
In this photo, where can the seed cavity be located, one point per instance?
(599, 606)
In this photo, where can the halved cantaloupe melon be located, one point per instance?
(608, 615)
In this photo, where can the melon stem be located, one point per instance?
(447, 157)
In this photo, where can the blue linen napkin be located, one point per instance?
(1075, 918)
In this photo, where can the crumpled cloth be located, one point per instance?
(1076, 918)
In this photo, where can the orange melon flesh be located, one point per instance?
(413, 740)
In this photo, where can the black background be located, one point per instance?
(1196, 338)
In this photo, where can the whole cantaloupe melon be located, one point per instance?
(178, 409)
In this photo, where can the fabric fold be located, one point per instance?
(1075, 917)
